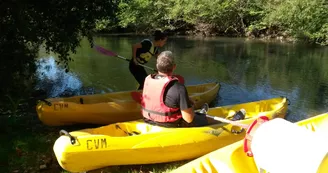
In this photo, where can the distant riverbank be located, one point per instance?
(294, 20)
(281, 37)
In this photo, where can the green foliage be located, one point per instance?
(222, 15)
(302, 19)
(57, 25)
(104, 25)
(145, 14)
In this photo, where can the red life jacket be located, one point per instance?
(153, 107)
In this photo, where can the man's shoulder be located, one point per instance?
(176, 85)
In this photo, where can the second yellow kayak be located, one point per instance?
(108, 108)
(136, 142)
(232, 158)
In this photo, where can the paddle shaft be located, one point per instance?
(138, 63)
(245, 126)
(110, 53)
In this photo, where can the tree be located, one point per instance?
(58, 25)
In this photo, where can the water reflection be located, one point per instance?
(56, 82)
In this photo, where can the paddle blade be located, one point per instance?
(136, 96)
(104, 51)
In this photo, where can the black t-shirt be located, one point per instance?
(176, 96)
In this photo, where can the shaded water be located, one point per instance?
(247, 70)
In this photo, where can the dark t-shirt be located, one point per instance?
(176, 96)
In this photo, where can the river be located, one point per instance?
(248, 70)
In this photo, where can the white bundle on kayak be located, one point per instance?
(280, 146)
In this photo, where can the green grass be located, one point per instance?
(26, 144)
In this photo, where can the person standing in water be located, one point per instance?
(141, 54)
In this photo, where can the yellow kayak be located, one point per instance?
(109, 108)
(136, 142)
(232, 158)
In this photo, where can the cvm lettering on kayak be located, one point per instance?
(60, 106)
(96, 144)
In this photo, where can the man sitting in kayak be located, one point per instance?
(165, 101)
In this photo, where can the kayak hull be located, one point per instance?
(108, 108)
(136, 142)
(233, 159)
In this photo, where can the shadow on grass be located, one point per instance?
(26, 144)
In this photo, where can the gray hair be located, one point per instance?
(165, 62)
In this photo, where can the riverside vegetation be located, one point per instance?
(297, 19)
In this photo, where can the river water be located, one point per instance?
(248, 70)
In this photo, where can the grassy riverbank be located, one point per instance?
(26, 147)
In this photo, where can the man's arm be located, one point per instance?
(188, 114)
(186, 106)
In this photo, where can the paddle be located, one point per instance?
(110, 53)
(204, 110)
